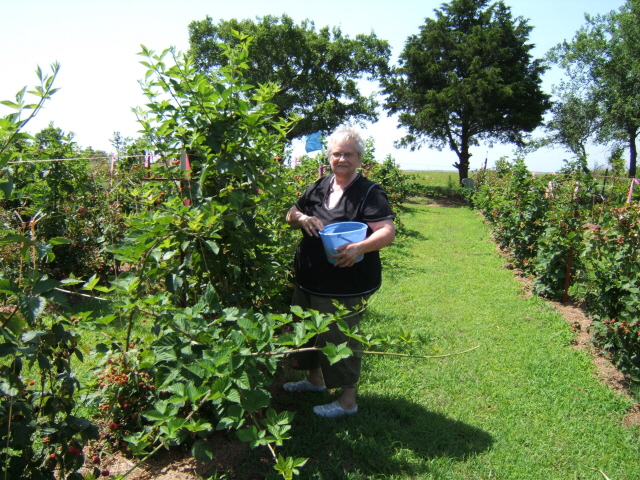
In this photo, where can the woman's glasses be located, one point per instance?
(339, 155)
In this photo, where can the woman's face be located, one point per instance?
(344, 158)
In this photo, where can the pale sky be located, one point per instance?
(97, 41)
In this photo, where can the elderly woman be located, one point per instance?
(343, 196)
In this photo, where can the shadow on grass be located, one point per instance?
(413, 234)
(388, 436)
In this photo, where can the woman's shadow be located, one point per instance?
(388, 436)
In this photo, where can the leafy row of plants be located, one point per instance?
(193, 269)
(572, 241)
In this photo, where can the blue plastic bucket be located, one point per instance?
(337, 234)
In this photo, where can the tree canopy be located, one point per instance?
(316, 71)
(574, 122)
(602, 64)
(467, 76)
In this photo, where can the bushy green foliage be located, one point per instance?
(40, 435)
(61, 198)
(224, 219)
(612, 286)
(514, 202)
(390, 178)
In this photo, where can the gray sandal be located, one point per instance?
(302, 386)
(333, 410)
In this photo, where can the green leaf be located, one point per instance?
(10, 385)
(196, 393)
(242, 380)
(282, 418)
(172, 427)
(7, 349)
(299, 312)
(138, 446)
(43, 362)
(233, 417)
(288, 467)
(177, 388)
(155, 416)
(8, 287)
(31, 307)
(212, 245)
(103, 289)
(202, 451)
(211, 299)
(10, 104)
(250, 434)
(79, 424)
(336, 353)
(59, 241)
(45, 286)
(45, 253)
(6, 188)
(11, 238)
(91, 283)
(55, 296)
(106, 319)
(32, 335)
(127, 283)
(300, 337)
(253, 400)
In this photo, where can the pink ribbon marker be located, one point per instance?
(634, 181)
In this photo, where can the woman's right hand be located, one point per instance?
(311, 225)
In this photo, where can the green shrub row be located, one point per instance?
(576, 239)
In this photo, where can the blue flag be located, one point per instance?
(313, 142)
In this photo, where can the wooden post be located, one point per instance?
(567, 279)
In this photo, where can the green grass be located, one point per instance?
(524, 405)
(433, 178)
(433, 183)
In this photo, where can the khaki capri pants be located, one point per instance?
(346, 372)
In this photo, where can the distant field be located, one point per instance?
(433, 183)
(432, 178)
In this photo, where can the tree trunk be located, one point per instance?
(463, 164)
(633, 152)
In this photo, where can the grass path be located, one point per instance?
(525, 405)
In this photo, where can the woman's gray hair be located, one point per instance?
(346, 132)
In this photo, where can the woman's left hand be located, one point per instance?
(383, 234)
(348, 254)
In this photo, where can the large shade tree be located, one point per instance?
(317, 70)
(603, 61)
(468, 76)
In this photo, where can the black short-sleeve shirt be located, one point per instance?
(362, 201)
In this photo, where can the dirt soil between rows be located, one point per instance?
(178, 465)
